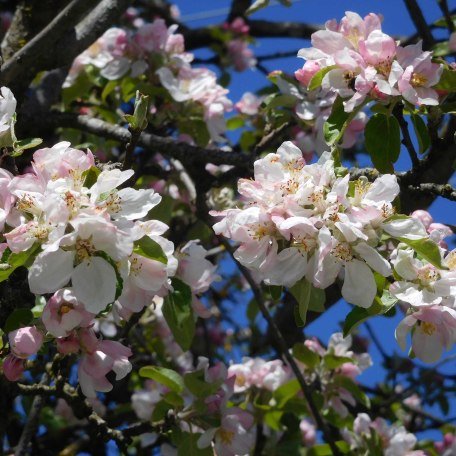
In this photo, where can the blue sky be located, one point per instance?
(396, 22)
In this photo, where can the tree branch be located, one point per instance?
(32, 422)
(420, 23)
(182, 151)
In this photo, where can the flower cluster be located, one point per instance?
(391, 440)
(157, 51)
(258, 373)
(239, 54)
(82, 234)
(312, 109)
(363, 63)
(429, 293)
(229, 428)
(303, 220)
(337, 369)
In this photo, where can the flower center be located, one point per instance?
(84, 249)
(342, 252)
(428, 328)
(225, 436)
(418, 80)
(65, 308)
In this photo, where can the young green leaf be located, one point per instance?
(148, 248)
(421, 131)
(178, 313)
(383, 141)
(164, 376)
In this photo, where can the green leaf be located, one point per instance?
(171, 379)
(383, 141)
(23, 144)
(197, 385)
(151, 249)
(421, 131)
(325, 450)
(426, 249)
(447, 81)
(18, 319)
(90, 176)
(306, 355)
(14, 261)
(187, 445)
(234, 123)
(301, 291)
(280, 101)
(359, 315)
(285, 392)
(317, 299)
(138, 121)
(178, 313)
(333, 362)
(317, 78)
(332, 128)
(441, 49)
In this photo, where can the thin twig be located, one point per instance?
(32, 422)
(406, 139)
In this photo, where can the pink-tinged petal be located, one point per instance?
(13, 368)
(329, 42)
(359, 286)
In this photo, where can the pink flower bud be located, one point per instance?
(26, 341)
(68, 345)
(424, 216)
(13, 368)
(306, 73)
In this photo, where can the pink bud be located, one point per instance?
(68, 345)
(424, 216)
(26, 341)
(306, 73)
(13, 368)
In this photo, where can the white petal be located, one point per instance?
(50, 271)
(373, 259)
(359, 284)
(409, 228)
(135, 204)
(94, 284)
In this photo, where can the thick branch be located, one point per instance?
(420, 23)
(182, 151)
(446, 190)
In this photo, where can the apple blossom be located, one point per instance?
(25, 342)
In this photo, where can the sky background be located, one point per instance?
(396, 22)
